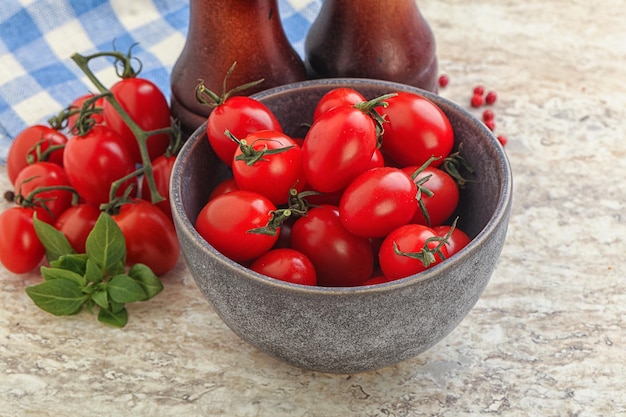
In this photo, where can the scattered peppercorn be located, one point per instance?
(491, 97)
(443, 80)
(477, 100)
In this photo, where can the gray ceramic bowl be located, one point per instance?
(348, 330)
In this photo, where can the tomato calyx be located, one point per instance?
(297, 207)
(31, 200)
(454, 163)
(428, 255)
(369, 108)
(278, 217)
(84, 120)
(35, 153)
(421, 189)
(250, 155)
(209, 98)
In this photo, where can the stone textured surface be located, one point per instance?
(547, 338)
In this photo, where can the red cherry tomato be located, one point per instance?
(25, 146)
(377, 202)
(147, 106)
(338, 147)
(341, 259)
(416, 129)
(94, 161)
(224, 187)
(286, 265)
(456, 241)
(20, 248)
(45, 174)
(410, 239)
(379, 279)
(150, 236)
(272, 175)
(341, 96)
(162, 170)
(378, 160)
(76, 223)
(226, 223)
(444, 200)
(241, 116)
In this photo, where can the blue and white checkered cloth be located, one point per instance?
(37, 38)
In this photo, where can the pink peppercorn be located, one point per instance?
(477, 100)
(491, 97)
(443, 80)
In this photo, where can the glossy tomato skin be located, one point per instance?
(456, 241)
(241, 116)
(224, 187)
(273, 175)
(146, 104)
(150, 236)
(341, 96)
(45, 174)
(76, 223)
(377, 202)
(287, 265)
(20, 248)
(225, 223)
(341, 259)
(409, 238)
(338, 147)
(442, 204)
(95, 160)
(416, 129)
(378, 279)
(377, 161)
(24, 145)
(162, 170)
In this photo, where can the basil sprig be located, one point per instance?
(97, 278)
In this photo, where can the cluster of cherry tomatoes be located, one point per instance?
(63, 173)
(362, 199)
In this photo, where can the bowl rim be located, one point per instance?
(500, 214)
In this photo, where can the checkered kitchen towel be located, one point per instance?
(38, 37)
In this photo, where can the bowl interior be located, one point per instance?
(479, 199)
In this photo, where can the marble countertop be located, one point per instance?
(548, 336)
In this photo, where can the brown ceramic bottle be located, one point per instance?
(221, 32)
(382, 39)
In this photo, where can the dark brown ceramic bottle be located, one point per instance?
(382, 39)
(221, 32)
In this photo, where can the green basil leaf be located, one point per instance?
(106, 244)
(53, 240)
(58, 296)
(101, 297)
(115, 307)
(93, 273)
(55, 273)
(117, 269)
(74, 262)
(117, 319)
(124, 289)
(148, 280)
